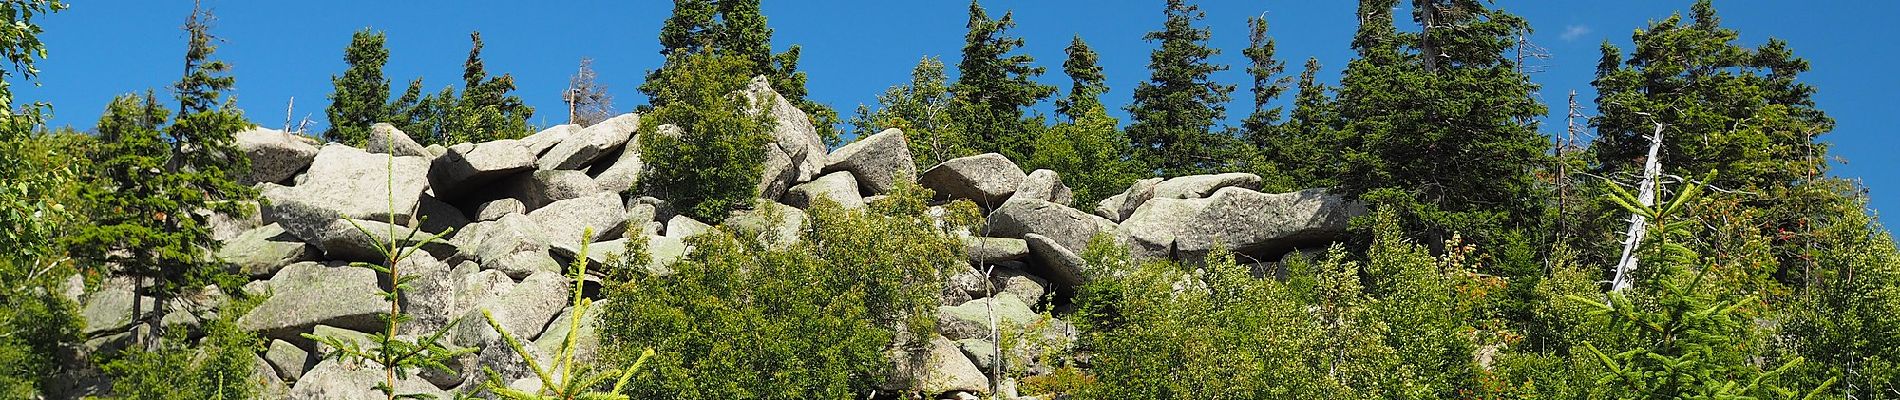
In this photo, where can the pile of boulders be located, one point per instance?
(513, 212)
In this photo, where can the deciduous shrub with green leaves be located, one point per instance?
(712, 166)
(742, 317)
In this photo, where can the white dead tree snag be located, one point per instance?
(1639, 225)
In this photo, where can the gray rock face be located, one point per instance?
(498, 208)
(792, 130)
(308, 294)
(774, 224)
(514, 244)
(940, 369)
(984, 250)
(987, 179)
(971, 320)
(681, 227)
(586, 346)
(538, 189)
(1150, 232)
(275, 155)
(386, 139)
(524, 311)
(333, 380)
(1139, 193)
(287, 359)
(1055, 262)
(1111, 207)
(1069, 227)
(338, 239)
(261, 252)
(591, 143)
(840, 187)
(1201, 186)
(430, 300)
(779, 171)
(878, 161)
(1047, 186)
(351, 239)
(540, 142)
(437, 216)
(113, 307)
(467, 167)
(1026, 287)
(351, 183)
(226, 226)
(566, 220)
(624, 171)
(1251, 222)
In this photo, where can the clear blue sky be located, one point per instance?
(854, 49)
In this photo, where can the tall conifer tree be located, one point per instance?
(361, 94)
(1448, 132)
(1176, 111)
(994, 88)
(1087, 84)
(1086, 150)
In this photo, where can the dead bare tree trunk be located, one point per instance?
(1639, 225)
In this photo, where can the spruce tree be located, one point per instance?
(994, 87)
(1086, 150)
(1451, 132)
(483, 111)
(361, 94)
(1176, 111)
(1263, 129)
(486, 108)
(742, 30)
(1305, 153)
(1722, 107)
(205, 160)
(1087, 84)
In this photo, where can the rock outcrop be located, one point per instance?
(511, 214)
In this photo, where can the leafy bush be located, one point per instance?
(221, 365)
(712, 166)
(745, 318)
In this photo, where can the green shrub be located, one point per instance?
(711, 169)
(742, 318)
(220, 365)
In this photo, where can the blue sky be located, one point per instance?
(853, 49)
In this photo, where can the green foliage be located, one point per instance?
(1087, 82)
(1089, 154)
(1842, 321)
(1175, 111)
(734, 28)
(994, 87)
(134, 214)
(1165, 331)
(484, 110)
(742, 318)
(361, 94)
(714, 163)
(398, 356)
(565, 380)
(1674, 338)
(35, 323)
(1419, 107)
(219, 366)
(922, 109)
(1088, 150)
